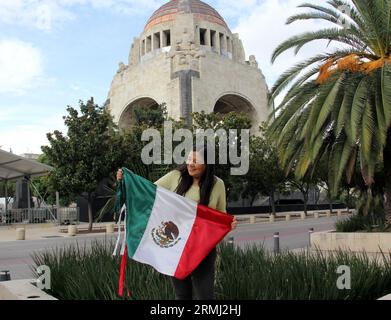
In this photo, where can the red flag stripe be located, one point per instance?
(210, 227)
(122, 284)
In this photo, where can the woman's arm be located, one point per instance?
(222, 196)
(169, 181)
(222, 201)
(120, 176)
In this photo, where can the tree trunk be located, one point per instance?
(272, 203)
(387, 176)
(317, 195)
(90, 217)
(330, 202)
(305, 196)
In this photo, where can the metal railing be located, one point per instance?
(67, 216)
(63, 216)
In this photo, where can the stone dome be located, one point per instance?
(200, 10)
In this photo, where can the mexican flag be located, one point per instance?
(165, 230)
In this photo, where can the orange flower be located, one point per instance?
(352, 63)
(349, 62)
(324, 72)
(368, 67)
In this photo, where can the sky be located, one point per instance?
(54, 53)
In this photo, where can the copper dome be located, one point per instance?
(201, 10)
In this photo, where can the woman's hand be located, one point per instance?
(120, 175)
(234, 224)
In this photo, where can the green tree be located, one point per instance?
(131, 146)
(86, 155)
(151, 117)
(229, 121)
(303, 185)
(339, 103)
(265, 175)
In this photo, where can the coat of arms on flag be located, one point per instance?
(167, 235)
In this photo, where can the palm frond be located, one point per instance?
(343, 115)
(333, 34)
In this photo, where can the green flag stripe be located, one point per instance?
(139, 201)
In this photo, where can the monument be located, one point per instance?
(188, 58)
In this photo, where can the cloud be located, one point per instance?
(28, 138)
(23, 139)
(235, 8)
(264, 29)
(40, 14)
(47, 14)
(20, 65)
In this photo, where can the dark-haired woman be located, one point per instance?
(196, 180)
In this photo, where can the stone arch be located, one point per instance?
(233, 102)
(127, 119)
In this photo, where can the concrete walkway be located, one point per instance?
(33, 232)
(46, 231)
(50, 230)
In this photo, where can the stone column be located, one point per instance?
(143, 46)
(217, 41)
(197, 36)
(224, 49)
(148, 44)
(229, 45)
(208, 41)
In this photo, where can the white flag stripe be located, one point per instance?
(168, 207)
(124, 238)
(119, 230)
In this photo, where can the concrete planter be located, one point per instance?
(22, 290)
(355, 241)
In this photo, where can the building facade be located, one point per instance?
(188, 58)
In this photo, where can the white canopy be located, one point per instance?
(13, 167)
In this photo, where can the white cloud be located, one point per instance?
(40, 14)
(264, 29)
(46, 14)
(20, 65)
(28, 138)
(235, 8)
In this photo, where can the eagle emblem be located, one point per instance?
(166, 235)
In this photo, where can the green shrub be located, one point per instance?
(251, 273)
(353, 224)
(360, 223)
(92, 273)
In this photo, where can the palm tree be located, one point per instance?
(337, 104)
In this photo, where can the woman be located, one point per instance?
(195, 180)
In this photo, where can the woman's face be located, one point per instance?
(195, 164)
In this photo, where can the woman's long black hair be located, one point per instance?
(207, 180)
